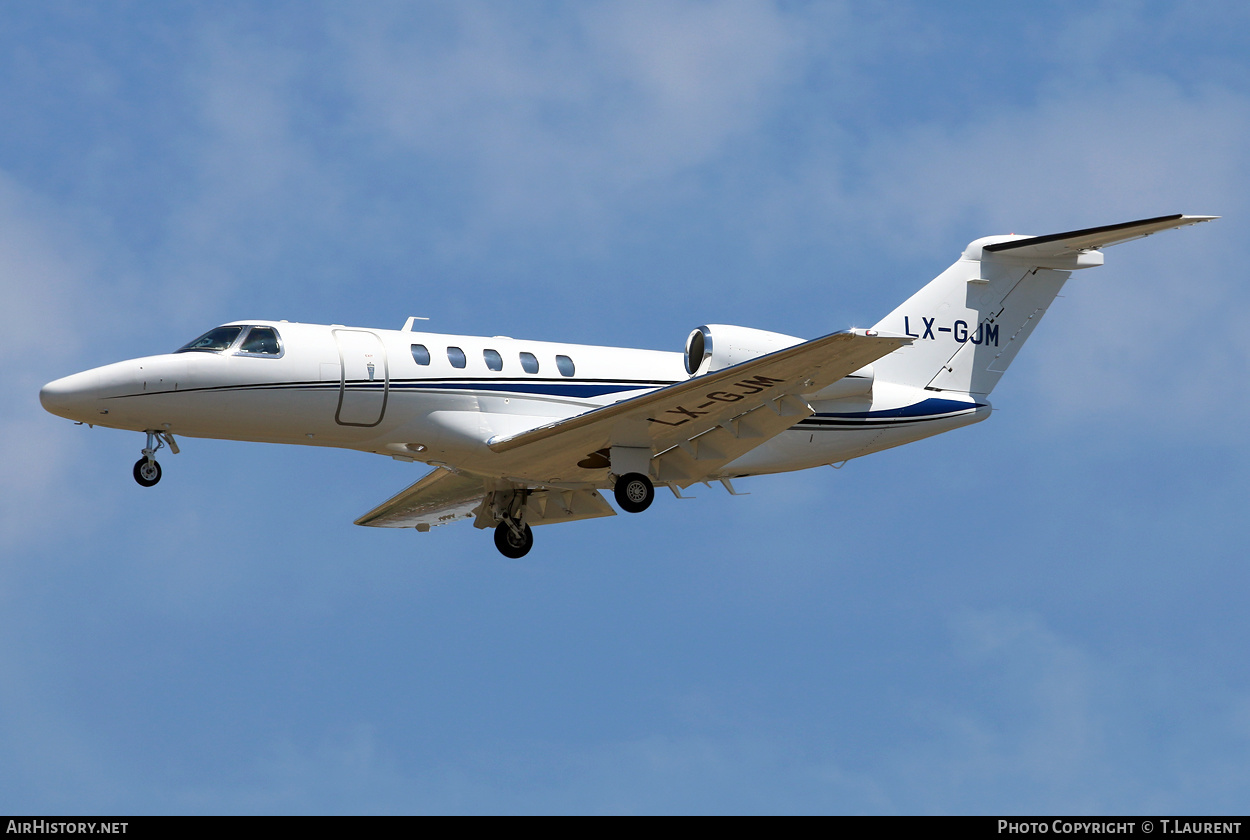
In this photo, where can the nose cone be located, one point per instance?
(72, 396)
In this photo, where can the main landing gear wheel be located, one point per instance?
(513, 542)
(147, 472)
(634, 492)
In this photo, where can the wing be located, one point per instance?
(694, 427)
(697, 426)
(1076, 241)
(443, 496)
(440, 497)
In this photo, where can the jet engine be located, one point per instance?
(715, 346)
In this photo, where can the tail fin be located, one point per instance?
(969, 322)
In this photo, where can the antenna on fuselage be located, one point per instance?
(412, 319)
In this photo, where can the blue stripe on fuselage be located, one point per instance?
(923, 411)
(548, 389)
(925, 408)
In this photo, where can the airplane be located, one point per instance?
(525, 433)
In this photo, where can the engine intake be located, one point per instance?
(715, 346)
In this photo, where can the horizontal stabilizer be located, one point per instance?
(1076, 241)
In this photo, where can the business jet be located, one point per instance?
(525, 433)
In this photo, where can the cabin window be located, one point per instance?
(529, 363)
(212, 341)
(420, 354)
(456, 356)
(565, 364)
(493, 360)
(261, 341)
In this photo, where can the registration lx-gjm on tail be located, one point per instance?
(524, 433)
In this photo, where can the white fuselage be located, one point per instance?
(526, 433)
(440, 398)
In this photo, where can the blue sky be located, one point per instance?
(1044, 612)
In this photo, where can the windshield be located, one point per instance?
(212, 341)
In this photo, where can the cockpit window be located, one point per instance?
(212, 341)
(261, 341)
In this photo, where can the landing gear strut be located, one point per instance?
(513, 536)
(634, 492)
(147, 471)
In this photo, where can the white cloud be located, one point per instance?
(568, 120)
(49, 281)
(1155, 320)
(568, 116)
(1054, 679)
(256, 192)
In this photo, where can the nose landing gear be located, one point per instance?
(147, 471)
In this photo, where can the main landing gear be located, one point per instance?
(634, 492)
(147, 471)
(507, 509)
(512, 539)
(513, 536)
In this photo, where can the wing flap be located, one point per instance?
(548, 507)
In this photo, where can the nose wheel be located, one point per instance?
(147, 471)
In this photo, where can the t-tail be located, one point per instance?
(969, 322)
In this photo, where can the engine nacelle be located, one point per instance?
(715, 346)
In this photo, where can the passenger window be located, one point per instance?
(263, 341)
(420, 354)
(456, 356)
(565, 364)
(493, 360)
(529, 363)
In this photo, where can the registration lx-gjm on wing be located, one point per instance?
(524, 433)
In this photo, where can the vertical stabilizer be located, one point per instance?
(970, 322)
